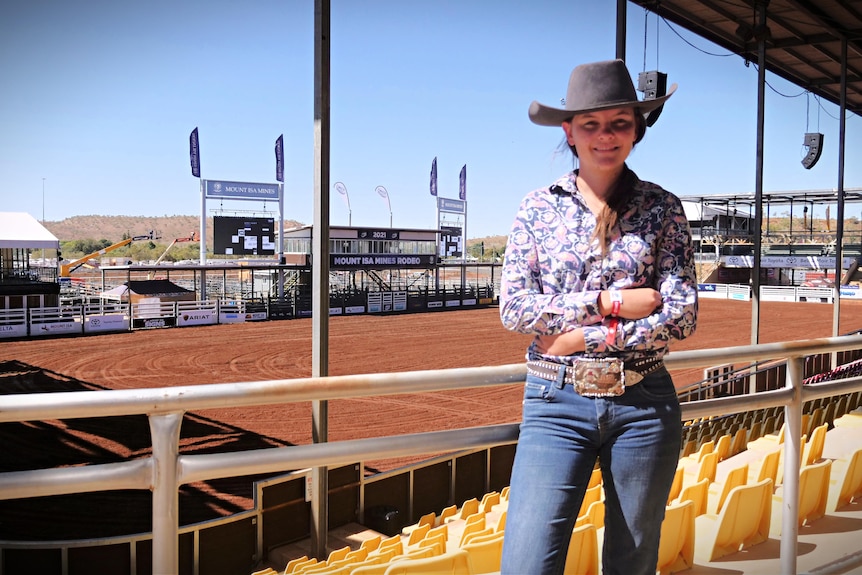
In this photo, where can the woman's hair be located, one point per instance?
(610, 214)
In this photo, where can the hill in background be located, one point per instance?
(168, 228)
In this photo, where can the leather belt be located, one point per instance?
(635, 370)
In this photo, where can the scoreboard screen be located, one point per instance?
(240, 236)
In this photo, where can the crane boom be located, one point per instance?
(67, 268)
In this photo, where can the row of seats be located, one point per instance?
(706, 516)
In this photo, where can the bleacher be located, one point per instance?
(725, 507)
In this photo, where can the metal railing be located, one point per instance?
(166, 470)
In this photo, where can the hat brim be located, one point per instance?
(549, 116)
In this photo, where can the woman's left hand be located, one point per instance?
(567, 343)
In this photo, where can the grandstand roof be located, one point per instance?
(23, 231)
(803, 38)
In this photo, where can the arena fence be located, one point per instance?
(778, 293)
(166, 470)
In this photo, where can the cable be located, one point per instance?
(695, 47)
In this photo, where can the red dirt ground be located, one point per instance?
(282, 350)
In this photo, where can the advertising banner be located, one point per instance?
(107, 322)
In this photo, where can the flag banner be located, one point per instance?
(462, 187)
(381, 191)
(434, 177)
(194, 154)
(342, 189)
(279, 158)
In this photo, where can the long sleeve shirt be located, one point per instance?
(554, 270)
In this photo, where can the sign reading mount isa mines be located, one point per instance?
(241, 190)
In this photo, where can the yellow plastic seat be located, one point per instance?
(371, 543)
(489, 500)
(740, 438)
(705, 469)
(267, 571)
(472, 535)
(592, 495)
(504, 493)
(427, 519)
(501, 521)
(440, 530)
(583, 555)
(291, 565)
(338, 554)
(845, 484)
(813, 494)
(468, 508)
(814, 446)
(768, 468)
(485, 553)
(676, 486)
(455, 562)
(595, 478)
(474, 524)
(722, 447)
(418, 533)
(718, 492)
(307, 564)
(595, 515)
(676, 546)
(742, 523)
(437, 541)
(697, 494)
(446, 513)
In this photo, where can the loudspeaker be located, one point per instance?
(814, 142)
(654, 85)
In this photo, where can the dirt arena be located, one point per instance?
(282, 350)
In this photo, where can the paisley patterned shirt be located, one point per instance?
(554, 271)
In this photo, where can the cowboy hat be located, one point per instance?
(593, 87)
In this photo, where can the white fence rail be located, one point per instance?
(165, 471)
(776, 293)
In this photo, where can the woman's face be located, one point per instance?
(603, 139)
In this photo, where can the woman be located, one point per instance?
(599, 268)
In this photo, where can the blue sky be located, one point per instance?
(100, 97)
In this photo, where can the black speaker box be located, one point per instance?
(814, 143)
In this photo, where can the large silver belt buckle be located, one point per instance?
(599, 376)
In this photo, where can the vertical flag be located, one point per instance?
(434, 176)
(194, 154)
(462, 186)
(279, 158)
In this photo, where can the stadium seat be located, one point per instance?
(583, 555)
(768, 468)
(722, 447)
(371, 543)
(485, 553)
(473, 534)
(469, 507)
(698, 494)
(595, 478)
(437, 541)
(813, 494)
(740, 438)
(504, 493)
(267, 571)
(676, 486)
(814, 447)
(446, 513)
(291, 565)
(595, 515)
(742, 523)
(427, 519)
(489, 500)
(437, 531)
(718, 491)
(455, 562)
(592, 495)
(705, 469)
(676, 547)
(338, 554)
(845, 484)
(474, 524)
(418, 533)
(501, 522)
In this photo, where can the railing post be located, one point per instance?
(165, 430)
(792, 459)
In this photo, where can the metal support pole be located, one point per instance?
(621, 30)
(792, 459)
(320, 265)
(839, 229)
(165, 430)
(758, 177)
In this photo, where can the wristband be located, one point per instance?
(611, 340)
(616, 301)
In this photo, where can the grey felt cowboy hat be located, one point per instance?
(593, 87)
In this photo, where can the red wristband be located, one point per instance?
(616, 301)
(611, 340)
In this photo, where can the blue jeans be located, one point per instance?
(636, 438)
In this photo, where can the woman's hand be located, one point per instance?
(637, 302)
(567, 343)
